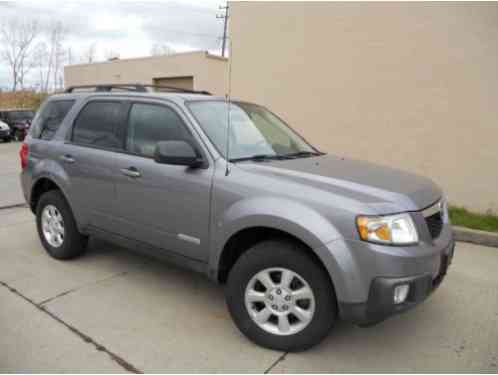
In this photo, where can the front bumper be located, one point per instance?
(380, 304)
(4, 134)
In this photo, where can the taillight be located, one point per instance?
(23, 154)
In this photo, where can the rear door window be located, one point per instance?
(97, 125)
(48, 122)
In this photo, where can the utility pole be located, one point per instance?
(225, 19)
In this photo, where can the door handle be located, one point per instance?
(131, 172)
(67, 159)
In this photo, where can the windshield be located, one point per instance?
(20, 115)
(254, 131)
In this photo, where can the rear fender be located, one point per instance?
(51, 170)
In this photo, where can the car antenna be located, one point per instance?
(228, 100)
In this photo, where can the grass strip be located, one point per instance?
(462, 217)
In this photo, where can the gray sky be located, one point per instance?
(128, 27)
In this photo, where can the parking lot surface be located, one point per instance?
(114, 311)
(10, 187)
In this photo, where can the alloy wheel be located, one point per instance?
(280, 301)
(52, 226)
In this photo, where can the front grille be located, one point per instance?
(434, 224)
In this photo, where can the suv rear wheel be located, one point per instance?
(57, 228)
(280, 297)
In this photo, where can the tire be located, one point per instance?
(6, 140)
(276, 257)
(73, 243)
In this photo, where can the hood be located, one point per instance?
(384, 189)
(4, 126)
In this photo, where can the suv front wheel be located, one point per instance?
(280, 297)
(57, 228)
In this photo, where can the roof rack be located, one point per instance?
(133, 87)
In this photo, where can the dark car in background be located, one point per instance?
(19, 121)
(4, 131)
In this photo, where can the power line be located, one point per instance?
(225, 20)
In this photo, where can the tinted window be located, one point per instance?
(96, 125)
(149, 124)
(46, 124)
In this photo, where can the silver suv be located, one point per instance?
(300, 238)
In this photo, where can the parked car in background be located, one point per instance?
(299, 237)
(4, 131)
(19, 121)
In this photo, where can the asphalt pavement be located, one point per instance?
(10, 166)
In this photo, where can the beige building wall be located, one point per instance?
(410, 85)
(180, 82)
(209, 72)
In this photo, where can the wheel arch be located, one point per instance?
(244, 239)
(249, 221)
(41, 186)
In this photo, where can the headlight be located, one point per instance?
(391, 230)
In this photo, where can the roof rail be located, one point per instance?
(107, 87)
(177, 89)
(133, 87)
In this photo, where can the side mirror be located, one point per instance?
(177, 153)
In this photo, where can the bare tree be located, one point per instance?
(16, 42)
(70, 56)
(57, 34)
(50, 56)
(161, 49)
(41, 56)
(89, 54)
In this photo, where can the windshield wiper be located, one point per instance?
(303, 154)
(260, 157)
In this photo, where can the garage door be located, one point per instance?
(180, 82)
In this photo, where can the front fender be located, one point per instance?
(271, 212)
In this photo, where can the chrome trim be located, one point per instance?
(187, 238)
(434, 209)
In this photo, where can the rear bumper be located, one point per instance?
(380, 304)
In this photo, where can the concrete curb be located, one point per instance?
(478, 237)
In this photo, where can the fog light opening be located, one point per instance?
(400, 293)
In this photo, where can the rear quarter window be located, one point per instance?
(46, 124)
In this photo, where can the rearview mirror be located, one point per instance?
(177, 153)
